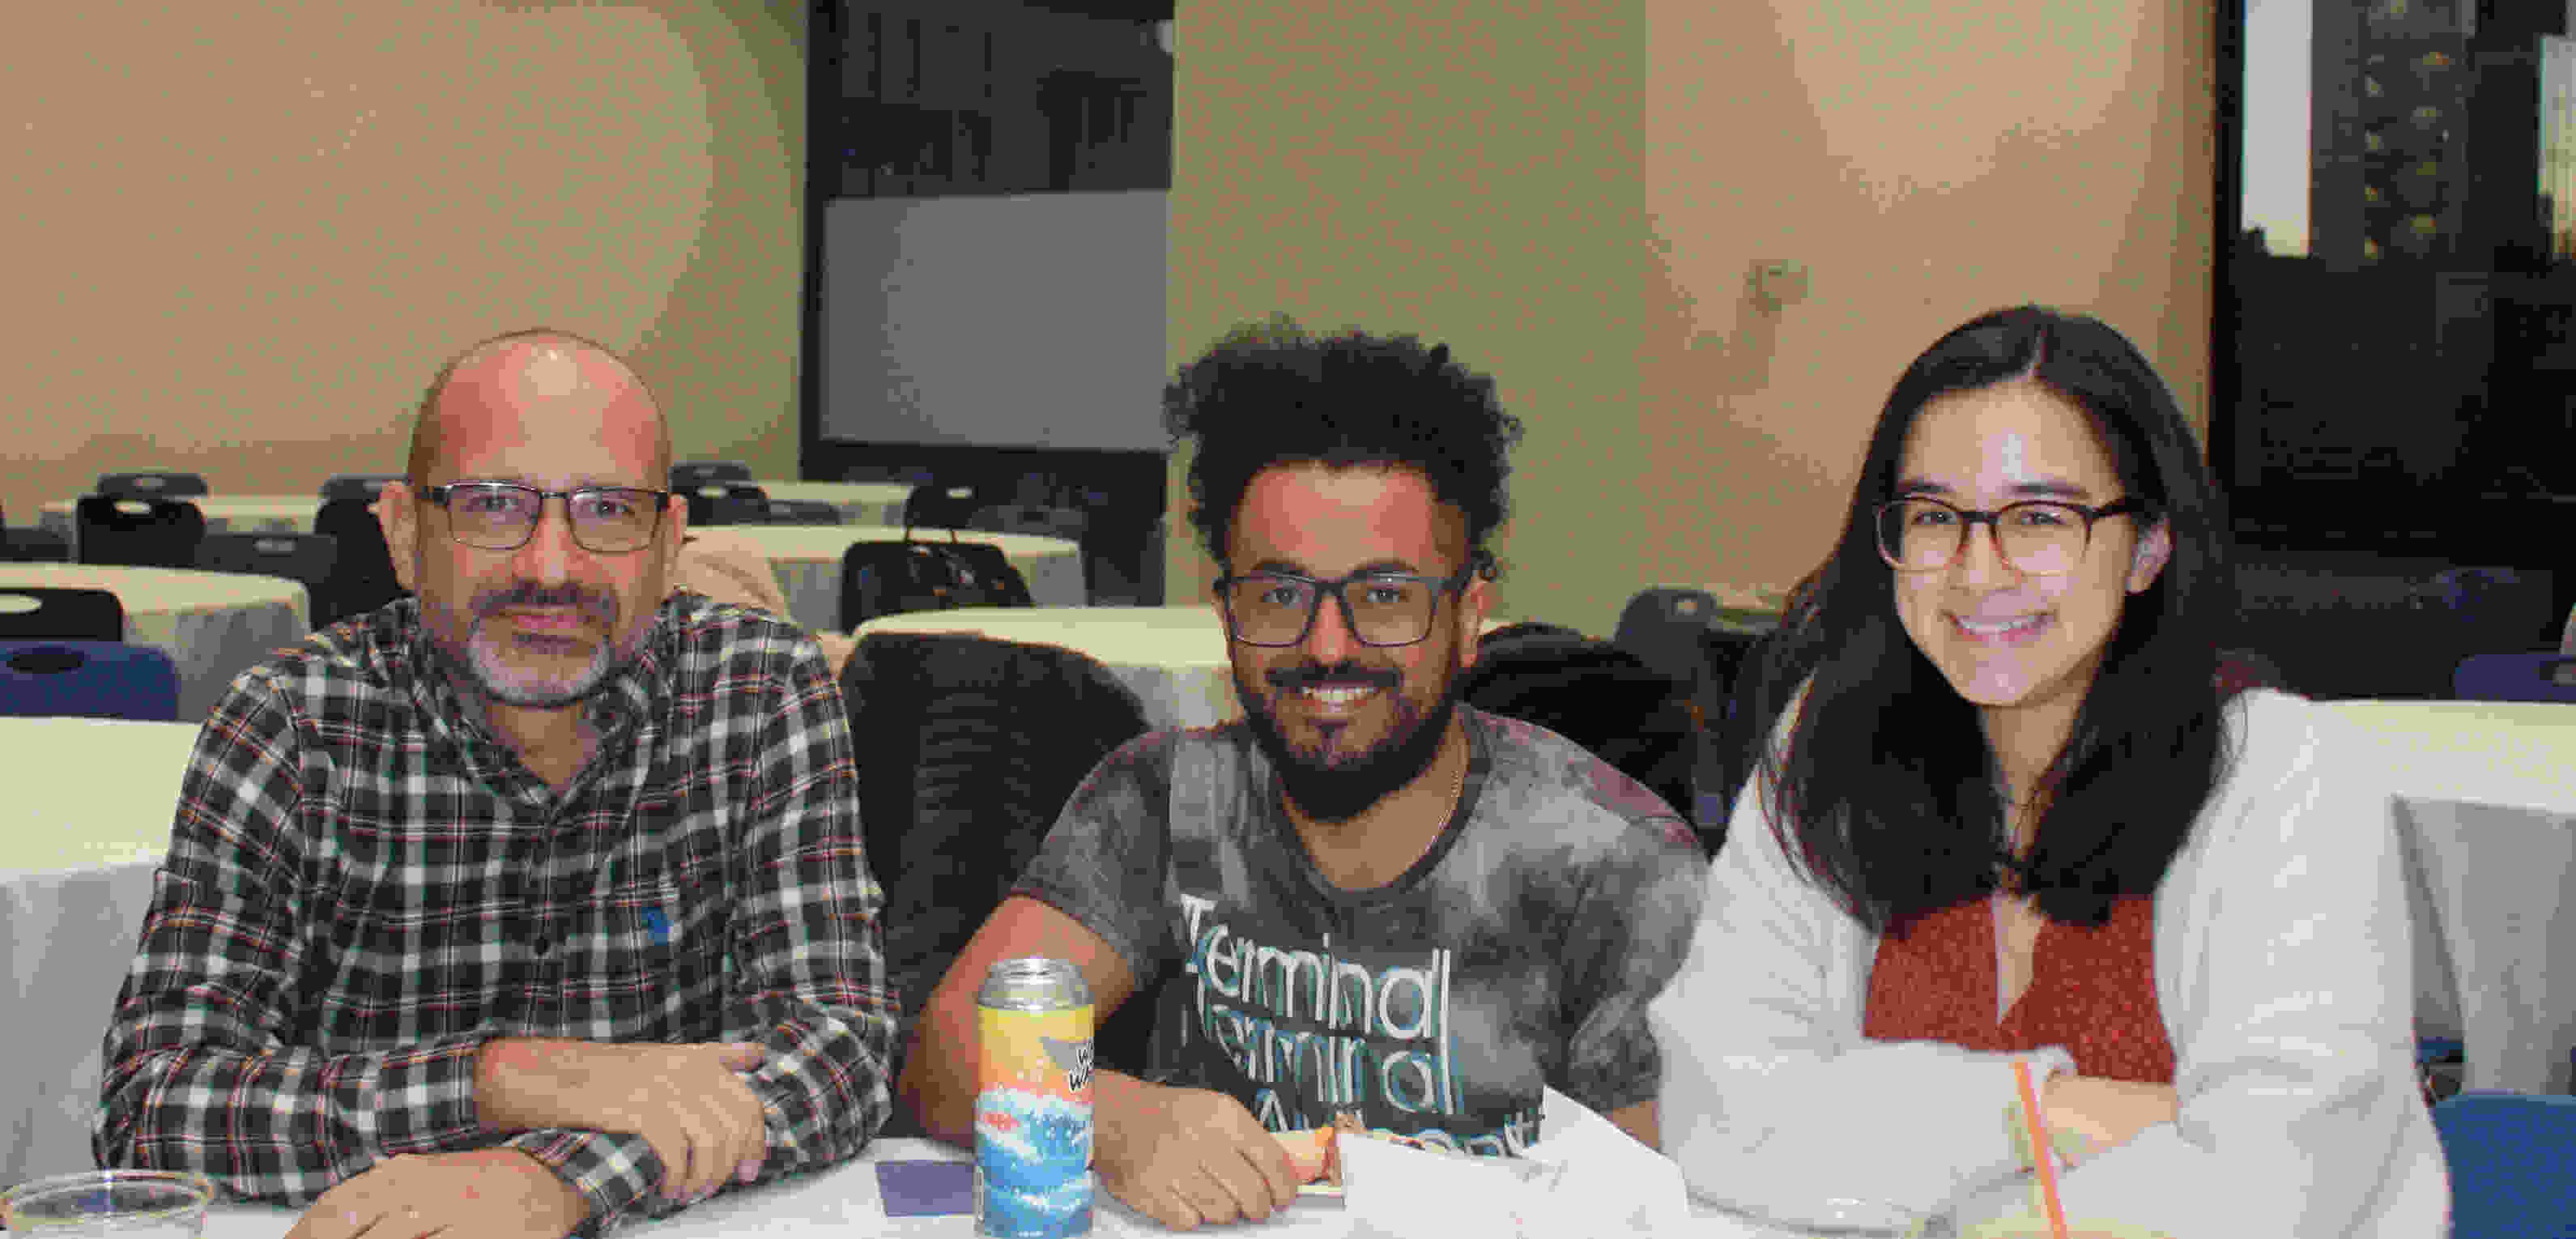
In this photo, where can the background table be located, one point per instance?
(807, 559)
(85, 821)
(224, 514)
(2484, 799)
(213, 625)
(861, 503)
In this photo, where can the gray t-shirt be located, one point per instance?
(1520, 951)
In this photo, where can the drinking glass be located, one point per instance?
(125, 1204)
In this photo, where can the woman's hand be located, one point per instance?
(2088, 1115)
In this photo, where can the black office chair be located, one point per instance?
(148, 533)
(1598, 695)
(30, 546)
(691, 474)
(727, 503)
(304, 557)
(974, 746)
(933, 505)
(888, 578)
(60, 613)
(803, 512)
(362, 566)
(152, 484)
(362, 487)
(88, 679)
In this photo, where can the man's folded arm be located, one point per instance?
(810, 979)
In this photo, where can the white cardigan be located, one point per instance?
(2283, 966)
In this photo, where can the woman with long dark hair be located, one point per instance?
(2010, 811)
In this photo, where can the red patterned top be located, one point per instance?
(2091, 990)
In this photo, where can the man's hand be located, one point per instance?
(499, 1193)
(687, 1101)
(1186, 1156)
(2105, 1113)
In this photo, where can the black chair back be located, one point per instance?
(362, 566)
(934, 506)
(1597, 694)
(976, 745)
(691, 474)
(727, 503)
(152, 484)
(889, 578)
(60, 613)
(304, 557)
(149, 533)
(88, 679)
(362, 487)
(803, 512)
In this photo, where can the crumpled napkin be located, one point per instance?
(1584, 1179)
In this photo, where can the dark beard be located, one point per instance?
(1338, 793)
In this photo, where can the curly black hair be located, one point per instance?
(1269, 394)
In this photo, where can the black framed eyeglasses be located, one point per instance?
(502, 516)
(2038, 537)
(1278, 609)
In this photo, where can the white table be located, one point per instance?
(845, 1201)
(85, 821)
(861, 503)
(224, 513)
(2484, 799)
(1173, 658)
(213, 625)
(807, 559)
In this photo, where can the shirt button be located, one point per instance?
(542, 947)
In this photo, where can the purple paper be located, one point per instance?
(926, 1188)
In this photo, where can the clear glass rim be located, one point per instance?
(53, 1186)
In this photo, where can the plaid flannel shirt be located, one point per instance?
(364, 885)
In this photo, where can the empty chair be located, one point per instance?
(60, 613)
(974, 746)
(362, 487)
(691, 474)
(152, 484)
(727, 503)
(305, 557)
(1667, 626)
(151, 533)
(28, 546)
(802, 512)
(88, 679)
(932, 505)
(2509, 1155)
(2538, 676)
(1598, 695)
(889, 578)
(362, 566)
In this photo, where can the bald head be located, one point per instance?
(535, 381)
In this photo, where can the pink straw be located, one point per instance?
(2040, 1151)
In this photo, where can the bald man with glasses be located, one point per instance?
(527, 904)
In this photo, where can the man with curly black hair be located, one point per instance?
(1365, 898)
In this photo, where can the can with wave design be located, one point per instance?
(1033, 1101)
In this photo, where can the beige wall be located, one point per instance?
(1571, 195)
(241, 241)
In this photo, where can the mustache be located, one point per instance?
(527, 595)
(1340, 675)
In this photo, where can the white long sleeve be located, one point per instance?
(2283, 973)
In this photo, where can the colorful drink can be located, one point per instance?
(1033, 1101)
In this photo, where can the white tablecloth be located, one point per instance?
(224, 513)
(845, 1201)
(213, 625)
(85, 821)
(861, 503)
(2484, 797)
(807, 559)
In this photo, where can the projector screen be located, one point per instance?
(1024, 322)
